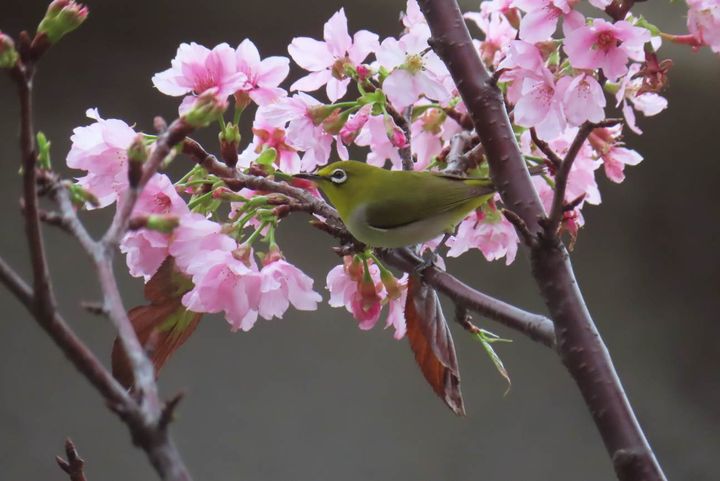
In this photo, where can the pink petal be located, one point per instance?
(336, 34)
(364, 43)
(312, 81)
(539, 25)
(272, 71)
(336, 89)
(310, 54)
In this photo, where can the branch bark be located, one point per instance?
(578, 342)
(145, 416)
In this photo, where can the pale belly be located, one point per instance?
(410, 234)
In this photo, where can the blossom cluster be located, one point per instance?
(395, 99)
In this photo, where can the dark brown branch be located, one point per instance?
(563, 173)
(23, 74)
(578, 341)
(520, 226)
(73, 348)
(536, 327)
(74, 464)
(175, 133)
(545, 149)
(618, 9)
(142, 416)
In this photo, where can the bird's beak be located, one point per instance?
(305, 176)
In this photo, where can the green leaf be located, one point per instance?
(43, 151)
(267, 157)
(487, 339)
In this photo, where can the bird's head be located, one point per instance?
(343, 182)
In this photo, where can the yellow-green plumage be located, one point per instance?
(384, 208)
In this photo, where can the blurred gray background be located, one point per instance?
(310, 397)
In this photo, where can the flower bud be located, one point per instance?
(43, 151)
(81, 196)
(8, 54)
(391, 284)
(243, 253)
(351, 129)
(368, 293)
(61, 18)
(334, 122)
(353, 267)
(363, 72)
(207, 108)
(137, 155)
(318, 113)
(273, 254)
(395, 134)
(157, 222)
(229, 138)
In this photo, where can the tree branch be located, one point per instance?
(74, 465)
(579, 343)
(144, 415)
(563, 173)
(536, 327)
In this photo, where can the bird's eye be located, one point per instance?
(338, 176)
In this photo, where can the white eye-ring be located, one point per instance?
(338, 176)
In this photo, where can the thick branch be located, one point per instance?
(578, 341)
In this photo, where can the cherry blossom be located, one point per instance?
(613, 154)
(583, 99)
(364, 298)
(329, 61)
(542, 16)
(284, 284)
(493, 235)
(541, 105)
(223, 283)
(632, 96)
(704, 22)
(194, 236)
(146, 249)
(304, 115)
(606, 46)
(262, 77)
(196, 69)
(101, 150)
(269, 134)
(375, 135)
(411, 72)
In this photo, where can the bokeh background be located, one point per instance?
(311, 397)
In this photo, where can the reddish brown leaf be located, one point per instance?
(162, 326)
(432, 343)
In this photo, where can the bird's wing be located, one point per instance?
(430, 198)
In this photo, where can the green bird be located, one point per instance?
(390, 208)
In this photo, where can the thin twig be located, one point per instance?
(142, 416)
(545, 149)
(74, 464)
(456, 160)
(536, 327)
(521, 227)
(563, 173)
